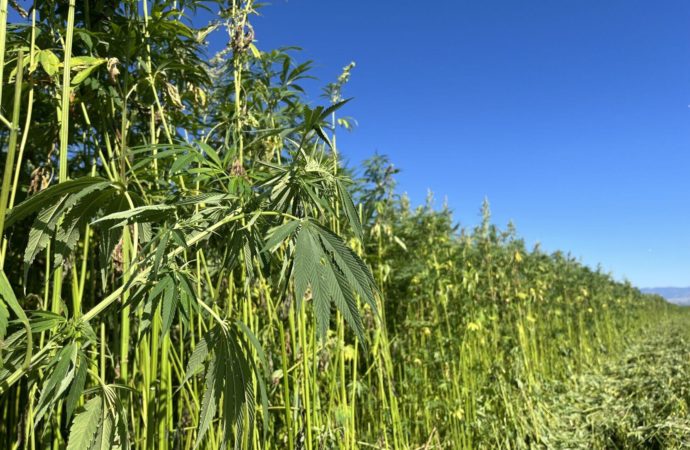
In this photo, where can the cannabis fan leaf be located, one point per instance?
(229, 376)
(333, 273)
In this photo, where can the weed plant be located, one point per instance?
(187, 264)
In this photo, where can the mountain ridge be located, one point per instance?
(677, 295)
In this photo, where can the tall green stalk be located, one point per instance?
(11, 149)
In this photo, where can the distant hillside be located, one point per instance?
(678, 295)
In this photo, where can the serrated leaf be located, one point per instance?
(161, 248)
(169, 306)
(49, 217)
(7, 295)
(110, 237)
(68, 232)
(183, 161)
(278, 235)
(350, 210)
(196, 360)
(104, 437)
(4, 319)
(145, 232)
(211, 152)
(146, 317)
(259, 376)
(310, 271)
(186, 295)
(228, 380)
(333, 108)
(86, 425)
(208, 402)
(334, 272)
(346, 303)
(45, 320)
(58, 380)
(306, 258)
(77, 387)
(40, 233)
(254, 341)
(319, 131)
(353, 268)
(139, 214)
(35, 203)
(240, 391)
(122, 431)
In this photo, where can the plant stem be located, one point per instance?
(9, 161)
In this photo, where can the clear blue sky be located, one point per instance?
(572, 117)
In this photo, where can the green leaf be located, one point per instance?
(278, 235)
(49, 62)
(58, 380)
(45, 320)
(83, 74)
(183, 161)
(7, 295)
(228, 380)
(350, 210)
(208, 402)
(169, 306)
(68, 232)
(110, 237)
(322, 135)
(159, 286)
(48, 219)
(333, 108)
(161, 248)
(309, 272)
(346, 302)
(46, 197)
(260, 378)
(78, 62)
(254, 341)
(240, 391)
(122, 430)
(41, 231)
(77, 387)
(196, 360)
(147, 213)
(4, 319)
(104, 437)
(85, 425)
(353, 268)
(211, 153)
(334, 273)
(187, 295)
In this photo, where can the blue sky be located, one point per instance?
(572, 117)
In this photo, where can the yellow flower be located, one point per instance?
(474, 326)
(349, 352)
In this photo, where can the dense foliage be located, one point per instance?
(187, 264)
